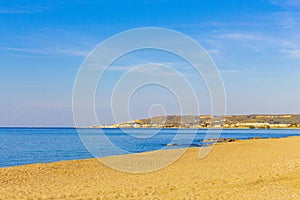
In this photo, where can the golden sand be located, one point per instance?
(254, 169)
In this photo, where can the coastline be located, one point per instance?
(241, 128)
(245, 169)
(88, 127)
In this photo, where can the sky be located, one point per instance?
(255, 45)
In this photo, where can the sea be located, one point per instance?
(20, 146)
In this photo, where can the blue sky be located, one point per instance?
(255, 44)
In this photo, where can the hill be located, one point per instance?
(208, 121)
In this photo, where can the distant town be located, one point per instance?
(208, 121)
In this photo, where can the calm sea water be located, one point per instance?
(19, 146)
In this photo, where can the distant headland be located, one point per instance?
(208, 121)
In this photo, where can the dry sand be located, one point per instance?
(254, 169)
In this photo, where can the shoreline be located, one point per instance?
(196, 128)
(217, 141)
(248, 169)
(179, 146)
(241, 128)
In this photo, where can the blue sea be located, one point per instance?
(19, 146)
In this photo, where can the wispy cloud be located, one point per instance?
(292, 53)
(214, 51)
(59, 42)
(291, 48)
(53, 105)
(22, 9)
(289, 17)
(287, 46)
(24, 50)
(73, 52)
(158, 70)
(220, 44)
(240, 36)
(120, 68)
(70, 52)
(229, 71)
(286, 3)
(152, 69)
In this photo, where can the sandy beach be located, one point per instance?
(253, 169)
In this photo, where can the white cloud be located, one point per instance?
(240, 36)
(213, 51)
(71, 52)
(229, 71)
(286, 3)
(289, 17)
(24, 50)
(22, 9)
(291, 48)
(119, 68)
(49, 105)
(292, 53)
(288, 46)
(150, 69)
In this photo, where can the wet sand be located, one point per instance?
(253, 169)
